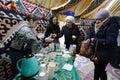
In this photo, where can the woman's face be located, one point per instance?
(55, 20)
(68, 23)
(34, 23)
(99, 21)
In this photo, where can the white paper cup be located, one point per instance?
(57, 45)
(51, 46)
(52, 57)
(51, 69)
(42, 67)
(66, 57)
(43, 76)
(62, 46)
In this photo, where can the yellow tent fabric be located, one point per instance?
(79, 7)
(35, 1)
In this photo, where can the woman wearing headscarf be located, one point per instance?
(104, 34)
(70, 32)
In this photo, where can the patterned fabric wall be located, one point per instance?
(8, 25)
(9, 20)
(5, 67)
(27, 7)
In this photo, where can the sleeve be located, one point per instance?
(31, 38)
(58, 30)
(111, 36)
(77, 32)
(61, 32)
(90, 34)
(47, 32)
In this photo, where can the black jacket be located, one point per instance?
(115, 57)
(52, 29)
(68, 32)
(107, 40)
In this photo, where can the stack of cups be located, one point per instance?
(52, 57)
(57, 47)
(43, 67)
(51, 69)
(43, 76)
(52, 46)
(43, 72)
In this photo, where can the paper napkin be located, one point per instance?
(68, 67)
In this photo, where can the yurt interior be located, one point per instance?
(59, 39)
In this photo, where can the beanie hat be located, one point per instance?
(71, 18)
(102, 14)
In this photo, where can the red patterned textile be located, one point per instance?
(7, 26)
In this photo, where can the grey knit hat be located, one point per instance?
(102, 14)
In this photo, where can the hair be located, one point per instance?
(51, 20)
(29, 17)
(51, 24)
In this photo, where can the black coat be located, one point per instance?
(54, 29)
(68, 32)
(107, 40)
(115, 57)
